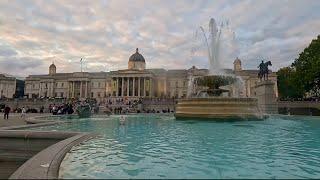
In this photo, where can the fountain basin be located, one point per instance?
(219, 108)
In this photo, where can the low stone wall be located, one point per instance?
(159, 104)
(310, 108)
(46, 163)
(158, 107)
(26, 154)
(19, 146)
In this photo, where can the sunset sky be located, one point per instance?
(34, 33)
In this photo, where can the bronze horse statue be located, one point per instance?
(264, 71)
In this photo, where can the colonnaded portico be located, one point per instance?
(132, 83)
(78, 88)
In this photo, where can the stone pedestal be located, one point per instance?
(266, 96)
(218, 108)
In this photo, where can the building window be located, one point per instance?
(56, 84)
(92, 84)
(62, 94)
(99, 84)
(62, 84)
(92, 94)
(55, 94)
(33, 86)
(99, 93)
(177, 84)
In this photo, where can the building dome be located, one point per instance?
(52, 69)
(136, 61)
(137, 57)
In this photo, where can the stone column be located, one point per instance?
(39, 89)
(117, 87)
(51, 89)
(144, 86)
(164, 88)
(150, 88)
(122, 87)
(249, 88)
(86, 90)
(68, 84)
(139, 85)
(128, 83)
(133, 86)
(73, 93)
(80, 89)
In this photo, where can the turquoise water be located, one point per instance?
(155, 146)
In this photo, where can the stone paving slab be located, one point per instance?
(16, 120)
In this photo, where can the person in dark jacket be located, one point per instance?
(6, 112)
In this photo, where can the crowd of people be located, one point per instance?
(310, 99)
(65, 108)
(141, 105)
(7, 110)
(113, 105)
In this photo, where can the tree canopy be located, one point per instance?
(303, 76)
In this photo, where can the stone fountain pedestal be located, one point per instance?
(209, 104)
(218, 108)
(266, 96)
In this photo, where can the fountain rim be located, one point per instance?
(217, 98)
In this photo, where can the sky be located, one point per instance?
(35, 33)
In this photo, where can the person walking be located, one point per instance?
(23, 113)
(6, 112)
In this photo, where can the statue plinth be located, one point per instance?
(266, 96)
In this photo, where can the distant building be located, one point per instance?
(7, 86)
(134, 82)
(19, 88)
(250, 79)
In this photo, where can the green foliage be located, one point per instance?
(214, 82)
(307, 67)
(303, 76)
(286, 84)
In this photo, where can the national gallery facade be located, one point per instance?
(134, 82)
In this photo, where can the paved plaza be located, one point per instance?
(15, 119)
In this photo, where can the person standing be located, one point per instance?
(23, 113)
(6, 112)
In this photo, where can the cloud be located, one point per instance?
(16, 65)
(7, 51)
(106, 33)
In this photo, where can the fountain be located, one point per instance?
(213, 98)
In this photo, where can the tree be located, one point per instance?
(303, 76)
(287, 86)
(307, 68)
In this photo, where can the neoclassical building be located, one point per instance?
(134, 82)
(7, 86)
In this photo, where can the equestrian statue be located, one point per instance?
(263, 70)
